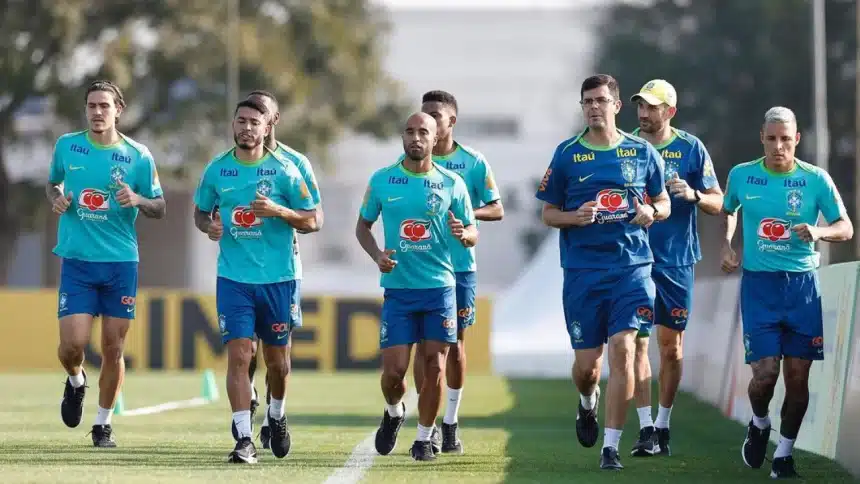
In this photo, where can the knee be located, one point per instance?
(796, 387)
(621, 352)
(588, 371)
(393, 373)
(457, 354)
(765, 378)
(432, 365)
(239, 355)
(278, 369)
(111, 353)
(670, 352)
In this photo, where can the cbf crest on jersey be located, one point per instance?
(434, 203)
(671, 169)
(628, 170)
(117, 174)
(264, 187)
(794, 200)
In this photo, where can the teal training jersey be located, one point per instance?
(254, 250)
(307, 172)
(95, 228)
(414, 209)
(476, 173)
(773, 203)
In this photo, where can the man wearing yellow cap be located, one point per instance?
(691, 182)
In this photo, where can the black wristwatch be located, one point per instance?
(698, 198)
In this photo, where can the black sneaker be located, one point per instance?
(609, 459)
(386, 436)
(244, 452)
(755, 446)
(280, 436)
(265, 437)
(103, 436)
(587, 429)
(647, 445)
(422, 450)
(254, 405)
(783, 468)
(72, 406)
(663, 441)
(451, 443)
(436, 439)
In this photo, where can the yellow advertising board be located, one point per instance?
(179, 330)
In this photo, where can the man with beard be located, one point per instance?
(264, 201)
(100, 180)
(691, 183)
(416, 199)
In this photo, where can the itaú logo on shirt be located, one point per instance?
(92, 201)
(770, 232)
(612, 205)
(412, 233)
(243, 219)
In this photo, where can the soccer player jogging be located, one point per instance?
(781, 197)
(306, 170)
(99, 181)
(422, 206)
(691, 183)
(595, 192)
(486, 202)
(263, 200)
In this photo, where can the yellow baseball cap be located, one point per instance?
(655, 92)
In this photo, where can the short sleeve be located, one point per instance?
(148, 184)
(655, 173)
(485, 182)
(206, 197)
(552, 187)
(705, 177)
(731, 200)
(298, 195)
(461, 204)
(829, 200)
(370, 205)
(58, 171)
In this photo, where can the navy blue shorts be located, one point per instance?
(271, 311)
(413, 315)
(674, 298)
(782, 316)
(466, 289)
(97, 288)
(601, 303)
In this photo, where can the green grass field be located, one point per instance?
(513, 430)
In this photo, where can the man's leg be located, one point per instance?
(77, 305)
(278, 368)
(647, 444)
(397, 333)
(455, 368)
(236, 317)
(631, 305)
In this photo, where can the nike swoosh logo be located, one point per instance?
(228, 189)
(753, 197)
(73, 168)
(282, 336)
(583, 178)
(394, 199)
(130, 310)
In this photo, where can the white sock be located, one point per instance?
(453, 407)
(663, 415)
(266, 420)
(77, 381)
(103, 416)
(645, 417)
(242, 419)
(424, 433)
(276, 409)
(761, 422)
(784, 447)
(588, 402)
(611, 438)
(395, 410)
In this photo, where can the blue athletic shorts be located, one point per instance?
(601, 303)
(271, 311)
(467, 287)
(782, 316)
(674, 298)
(97, 288)
(413, 315)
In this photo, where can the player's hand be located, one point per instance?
(807, 233)
(730, 260)
(644, 214)
(126, 197)
(61, 203)
(678, 188)
(265, 207)
(456, 225)
(216, 227)
(385, 262)
(586, 214)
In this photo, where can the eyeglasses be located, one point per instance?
(601, 101)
